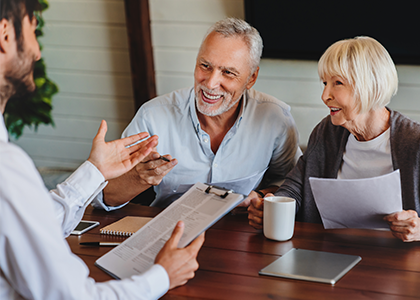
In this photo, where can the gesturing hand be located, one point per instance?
(113, 158)
(180, 264)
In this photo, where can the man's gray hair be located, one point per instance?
(232, 27)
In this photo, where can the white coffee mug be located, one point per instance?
(279, 218)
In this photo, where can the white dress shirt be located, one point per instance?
(35, 260)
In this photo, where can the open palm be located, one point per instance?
(115, 158)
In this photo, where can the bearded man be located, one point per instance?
(35, 260)
(221, 131)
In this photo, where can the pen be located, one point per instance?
(99, 244)
(164, 158)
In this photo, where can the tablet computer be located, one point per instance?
(311, 265)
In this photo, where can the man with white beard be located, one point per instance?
(219, 131)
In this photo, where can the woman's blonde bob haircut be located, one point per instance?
(367, 67)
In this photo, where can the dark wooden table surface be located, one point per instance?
(234, 252)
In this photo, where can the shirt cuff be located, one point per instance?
(86, 179)
(158, 280)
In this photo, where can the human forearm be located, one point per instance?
(294, 183)
(260, 193)
(270, 189)
(149, 172)
(290, 188)
(123, 189)
(71, 197)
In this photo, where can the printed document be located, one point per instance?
(199, 208)
(357, 203)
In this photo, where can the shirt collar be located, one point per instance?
(4, 136)
(241, 113)
(193, 111)
(194, 116)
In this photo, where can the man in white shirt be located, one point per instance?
(221, 131)
(35, 260)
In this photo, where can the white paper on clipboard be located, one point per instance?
(199, 208)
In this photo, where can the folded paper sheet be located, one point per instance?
(357, 203)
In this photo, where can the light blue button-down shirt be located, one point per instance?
(263, 136)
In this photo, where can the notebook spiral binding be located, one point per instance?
(120, 233)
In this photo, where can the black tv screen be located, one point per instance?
(305, 29)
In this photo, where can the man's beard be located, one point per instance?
(206, 108)
(19, 80)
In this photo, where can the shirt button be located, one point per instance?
(206, 140)
(215, 165)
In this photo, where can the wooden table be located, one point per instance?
(234, 252)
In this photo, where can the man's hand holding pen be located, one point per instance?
(154, 167)
(149, 172)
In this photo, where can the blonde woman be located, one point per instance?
(361, 137)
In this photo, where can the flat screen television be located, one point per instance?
(304, 29)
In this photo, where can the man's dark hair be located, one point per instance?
(14, 11)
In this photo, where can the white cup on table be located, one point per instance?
(279, 218)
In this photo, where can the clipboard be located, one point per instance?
(199, 208)
(309, 265)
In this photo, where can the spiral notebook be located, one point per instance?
(126, 226)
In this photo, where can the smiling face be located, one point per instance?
(338, 95)
(222, 74)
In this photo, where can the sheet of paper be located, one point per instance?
(357, 203)
(240, 186)
(198, 209)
